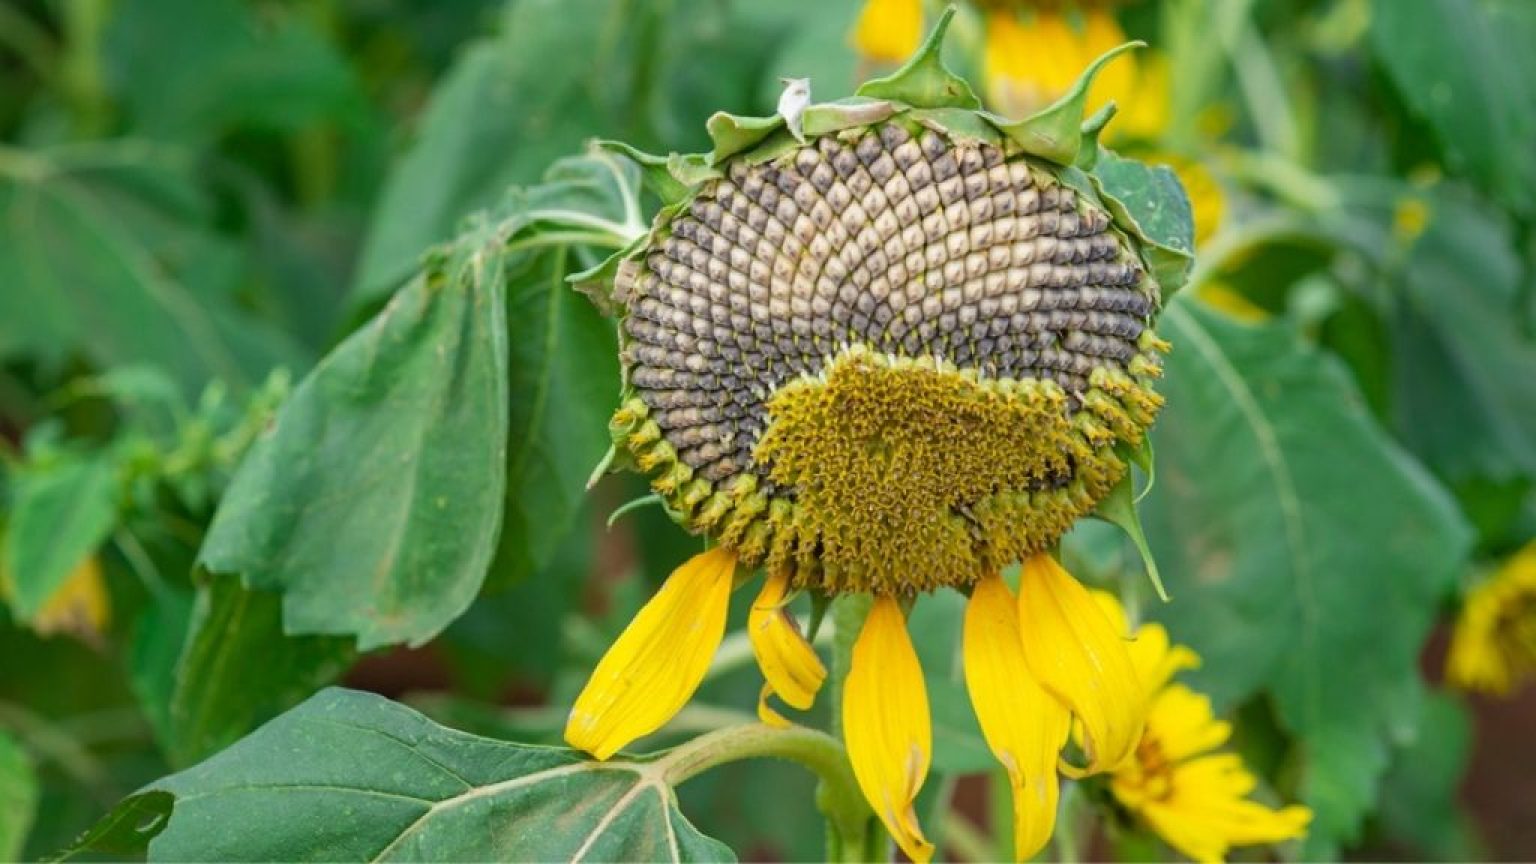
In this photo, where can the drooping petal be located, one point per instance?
(789, 663)
(659, 659)
(888, 31)
(1079, 655)
(1024, 725)
(886, 724)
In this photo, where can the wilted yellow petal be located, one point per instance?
(80, 605)
(789, 663)
(1079, 655)
(1024, 725)
(889, 30)
(659, 659)
(886, 724)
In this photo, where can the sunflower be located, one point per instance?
(882, 349)
(1177, 784)
(1493, 648)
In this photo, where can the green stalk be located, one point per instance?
(838, 797)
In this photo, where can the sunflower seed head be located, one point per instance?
(897, 246)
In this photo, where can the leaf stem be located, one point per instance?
(838, 796)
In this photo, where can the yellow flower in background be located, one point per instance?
(1493, 648)
(888, 31)
(1193, 797)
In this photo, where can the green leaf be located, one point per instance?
(237, 669)
(1307, 553)
(18, 797)
(1464, 66)
(352, 776)
(1464, 397)
(374, 500)
(732, 133)
(62, 512)
(509, 107)
(1420, 795)
(126, 830)
(269, 70)
(106, 250)
(924, 81)
(1055, 132)
(1149, 201)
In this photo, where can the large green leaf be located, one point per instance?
(1465, 67)
(105, 250)
(270, 70)
(509, 107)
(1304, 551)
(237, 669)
(350, 776)
(1466, 397)
(18, 797)
(374, 500)
(61, 512)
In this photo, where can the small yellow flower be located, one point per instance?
(888, 31)
(1493, 649)
(1194, 798)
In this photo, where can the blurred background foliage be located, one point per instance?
(199, 199)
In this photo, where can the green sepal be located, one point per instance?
(958, 124)
(1055, 132)
(596, 282)
(733, 133)
(1150, 203)
(825, 118)
(631, 506)
(1143, 458)
(1119, 508)
(1088, 154)
(820, 603)
(673, 177)
(925, 82)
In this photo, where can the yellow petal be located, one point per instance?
(659, 659)
(1024, 725)
(790, 664)
(889, 30)
(1079, 655)
(1206, 811)
(886, 724)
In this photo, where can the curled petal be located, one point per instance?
(790, 664)
(886, 724)
(1075, 650)
(659, 659)
(1024, 725)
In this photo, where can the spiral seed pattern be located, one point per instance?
(913, 246)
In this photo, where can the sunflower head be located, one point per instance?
(891, 343)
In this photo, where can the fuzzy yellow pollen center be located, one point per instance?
(910, 475)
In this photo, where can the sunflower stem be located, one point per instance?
(849, 819)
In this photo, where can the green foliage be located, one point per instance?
(18, 797)
(202, 201)
(351, 776)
